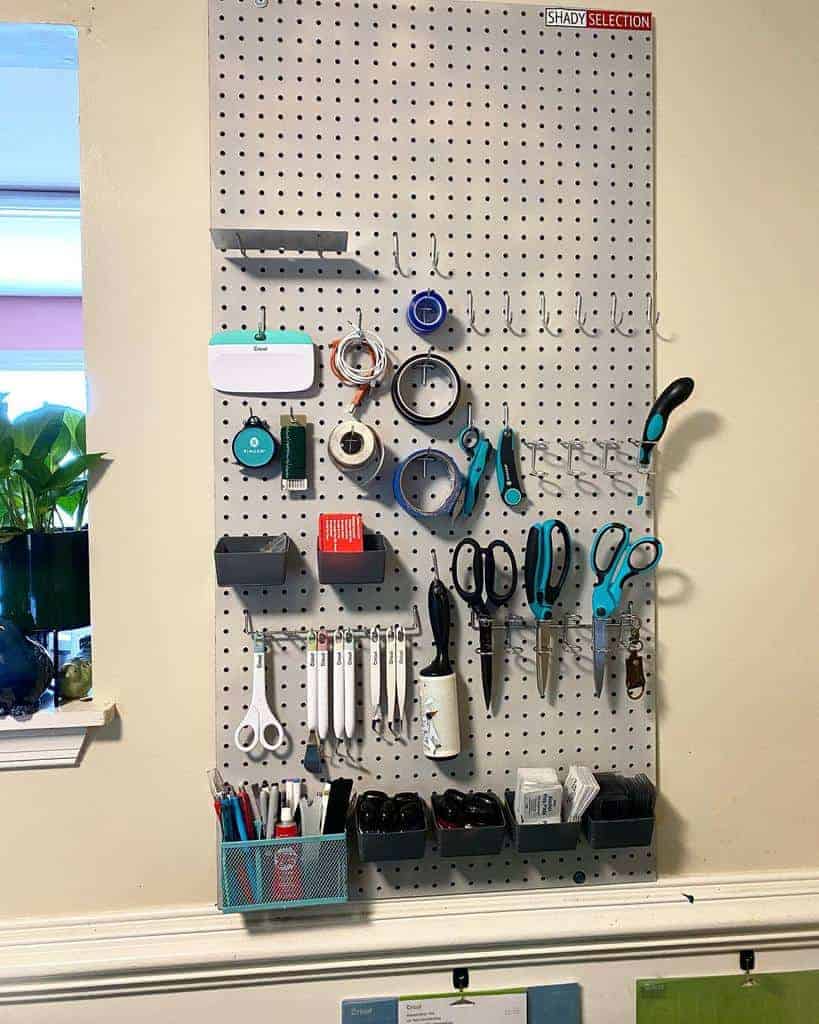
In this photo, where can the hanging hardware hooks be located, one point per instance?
(654, 318)
(581, 317)
(507, 315)
(434, 255)
(261, 324)
(470, 314)
(396, 257)
(615, 320)
(608, 447)
(546, 316)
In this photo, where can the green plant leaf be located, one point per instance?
(36, 473)
(6, 453)
(29, 426)
(75, 423)
(68, 473)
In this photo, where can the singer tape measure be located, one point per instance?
(254, 446)
(353, 446)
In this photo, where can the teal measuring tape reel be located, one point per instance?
(254, 446)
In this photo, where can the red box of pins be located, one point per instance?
(341, 531)
(347, 553)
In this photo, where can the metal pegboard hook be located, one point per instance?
(545, 316)
(615, 320)
(434, 254)
(581, 317)
(396, 257)
(608, 447)
(507, 315)
(470, 314)
(261, 324)
(653, 318)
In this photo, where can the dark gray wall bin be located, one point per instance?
(387, 846)
(251, 561)
(618, 833)
(479, 840)
(540, 838)
(367, 566)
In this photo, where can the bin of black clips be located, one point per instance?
(468, 824)
(275, 874)
(562, 835)
(367, 566)
(622, 813)
(390, 828)
(251, 561)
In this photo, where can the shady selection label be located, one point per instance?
(574, 17)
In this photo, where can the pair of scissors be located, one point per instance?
(478, 450)
(608, 591)
(542, 589)
(258, 717)
(482, 596)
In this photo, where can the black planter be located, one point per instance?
(44, 580)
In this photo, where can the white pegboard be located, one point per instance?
(529, 152)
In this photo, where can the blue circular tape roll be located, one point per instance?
(426, 312)
(454, 500)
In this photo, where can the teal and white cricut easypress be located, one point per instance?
(261, 362)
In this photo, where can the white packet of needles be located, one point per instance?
(538, 796)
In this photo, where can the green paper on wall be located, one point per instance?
(790, 998)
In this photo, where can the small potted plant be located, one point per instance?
(43, 538)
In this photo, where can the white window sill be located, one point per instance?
(53, 737)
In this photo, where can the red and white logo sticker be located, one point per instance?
(574, 17)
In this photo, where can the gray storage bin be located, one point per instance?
(386, 846)
(617, 833)
(367, 566)
(483, 840)
(251, 561)
(540, 838)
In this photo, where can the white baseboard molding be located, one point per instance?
(179, 949)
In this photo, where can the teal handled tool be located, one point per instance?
(677, 392)
(506, 464)
(542, 589)
(620, 566)
(477, 449)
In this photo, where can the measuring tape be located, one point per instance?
(353, 445)
(404, 376)
(402, 479)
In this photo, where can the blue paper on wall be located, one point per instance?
(545, 1004)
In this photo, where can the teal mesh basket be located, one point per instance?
(274, 874)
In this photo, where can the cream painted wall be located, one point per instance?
(738, 161)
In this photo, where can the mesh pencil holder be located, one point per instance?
(275, 874)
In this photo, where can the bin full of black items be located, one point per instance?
(468, 824)
(622, 813)
(390, 828)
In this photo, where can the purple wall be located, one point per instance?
(40, 323)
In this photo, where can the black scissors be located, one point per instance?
(480, 593)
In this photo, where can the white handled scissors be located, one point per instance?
(258, 717)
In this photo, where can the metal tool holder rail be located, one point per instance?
(299, 636)
(508, 164)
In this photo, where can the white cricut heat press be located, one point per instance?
(261, 362)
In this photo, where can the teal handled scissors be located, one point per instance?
(608, 592)
(542, 589)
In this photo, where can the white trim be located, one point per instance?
(53, 737)
(180, 949)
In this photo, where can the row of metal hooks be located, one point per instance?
(570, 624)
(299, 635)
(616, 315)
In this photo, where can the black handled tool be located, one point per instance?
(506, 464)
(677, 392)
(440, 621)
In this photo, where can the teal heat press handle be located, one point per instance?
(677, 392)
